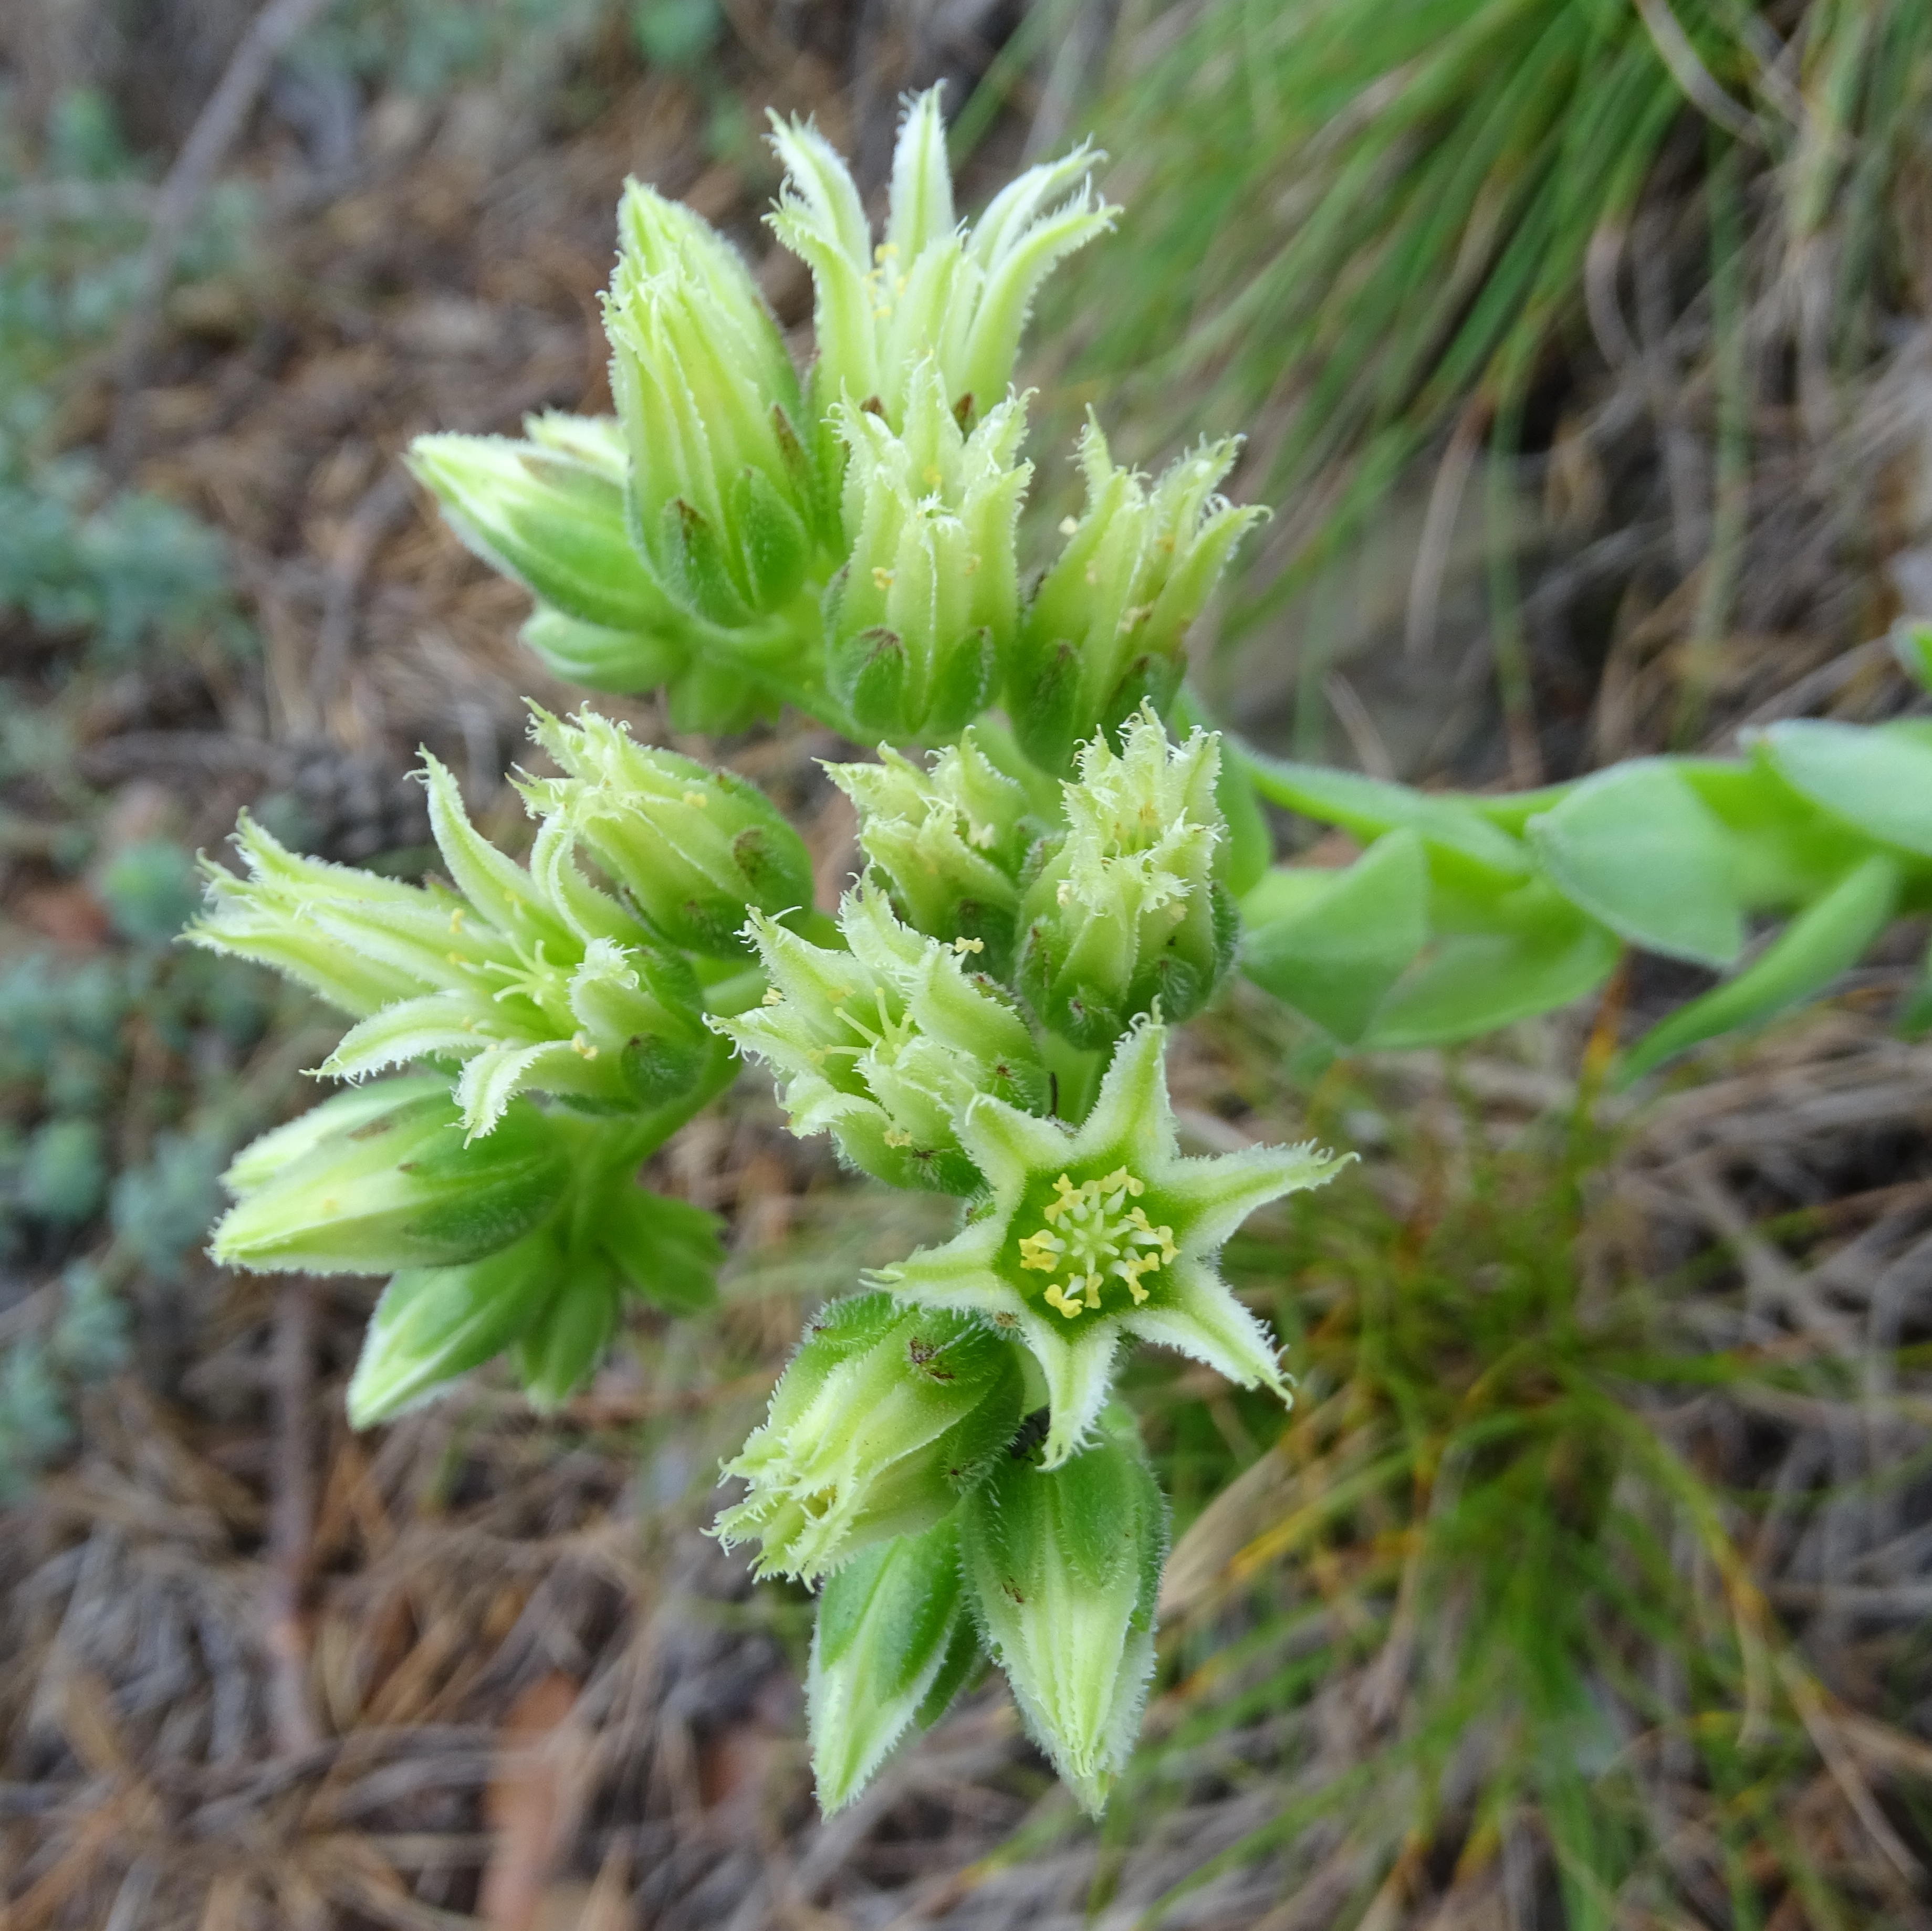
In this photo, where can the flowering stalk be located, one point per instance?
(984, 1016)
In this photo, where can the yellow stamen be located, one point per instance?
(1096, 1237)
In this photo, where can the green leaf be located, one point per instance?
(1245, 853)
(1878, 777)
(434, 1324)
(1912, 644)
(1368, 807)
(667, 1250)
(560, 1350)
(1826, 939)
(1637, 848)
(1915, 1021)
(892, 1643)
(1544, 955)
(1336, 955)
(1786, 851)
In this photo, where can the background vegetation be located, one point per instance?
(1584, 352)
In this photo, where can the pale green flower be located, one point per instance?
(929, 598)
(884, 1045)
(885, 1417)
(949, 842)
(695, 848)
(1089, 1237)
(932, 286)
(1105, 630)
(384, 1178)
(723, 495)
(549, 510)
(529, 978)
(1125, 915)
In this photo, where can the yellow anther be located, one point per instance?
(772, 997)
(882, 577)
(697, 798)
(1068, 525)
(897, 1136)
(1040, 1251)
(969, 945)
(1056, 1298)
(456, 919)
(582, 1047)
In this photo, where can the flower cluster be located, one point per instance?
(739, 538)
(984, 1015)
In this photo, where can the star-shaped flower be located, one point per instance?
(1088, 1237)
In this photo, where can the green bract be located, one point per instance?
(886, 1417)
(1086, 1238)
(893, 1643)
(434, 1324)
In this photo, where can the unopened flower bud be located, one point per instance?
(884, 1419)
(930, 287)
(1105, 629)
(723, 493)
(434, 1324)
(948, 842)
(1125, 912)
(695, 848)
(553, 520)
(1064, 1565)
(885, 1045)
(364, 1190)
(929, 598)
(892, 1644)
